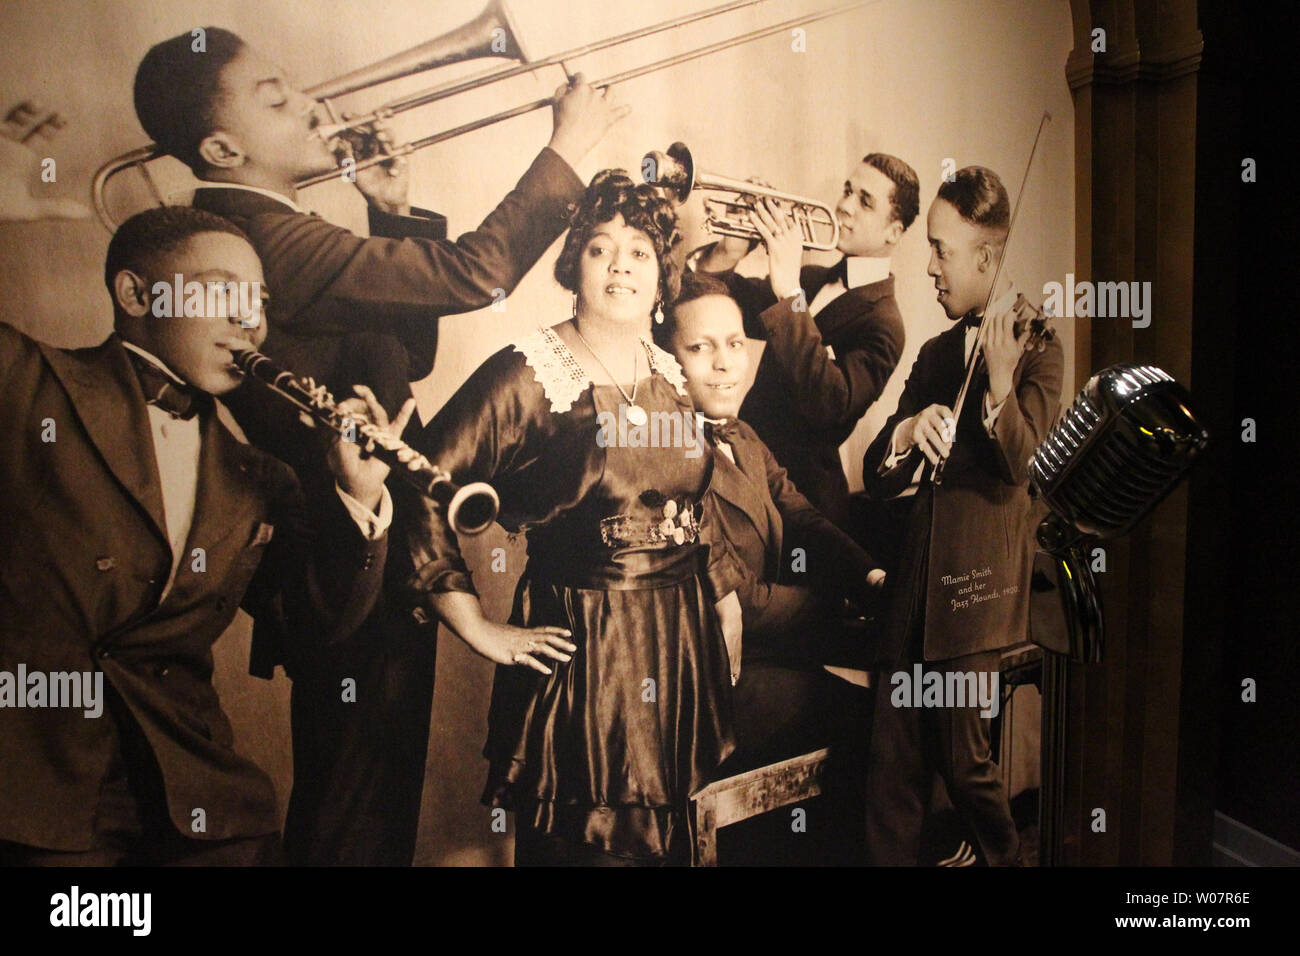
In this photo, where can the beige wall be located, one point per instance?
(925, 80)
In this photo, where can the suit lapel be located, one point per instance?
(953, 371)
(729, 483)
(839, 311)
(739, 484)
(227, 497)
(812, 278)
(106, 395)
(858, 301)
(750, 461)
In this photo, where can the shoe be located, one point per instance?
(965, 856)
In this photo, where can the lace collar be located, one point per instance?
(563, 378)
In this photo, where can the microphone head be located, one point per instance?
(1114, 455)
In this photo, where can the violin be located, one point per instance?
(1028, 315)
(1037, 320)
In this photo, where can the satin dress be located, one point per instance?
(606, 750)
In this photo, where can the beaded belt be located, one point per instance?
(679, 525)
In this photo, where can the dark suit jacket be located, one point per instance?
(348, 310)
(804, 404)
(327, 283)
(84, 556)
(972, 550)
(752, 510)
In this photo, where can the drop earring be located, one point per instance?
(659, 313)
(575, 305)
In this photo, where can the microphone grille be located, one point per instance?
(1118, 450)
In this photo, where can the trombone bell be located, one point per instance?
(491, 33)
(675, 172)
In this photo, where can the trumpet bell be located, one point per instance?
(673, 171)
(490, 34)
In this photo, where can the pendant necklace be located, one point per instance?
(635, 413)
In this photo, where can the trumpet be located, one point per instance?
(470, 509)
(491, 34)
(675, 172)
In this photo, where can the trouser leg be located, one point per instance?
(959, 738)
(359, 758)
(899, 778)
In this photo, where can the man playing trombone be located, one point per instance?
(352, 309)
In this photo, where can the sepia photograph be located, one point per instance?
(773, 434)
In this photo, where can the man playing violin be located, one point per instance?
(961, 593)
(350, 310)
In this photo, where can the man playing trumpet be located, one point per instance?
(834, 336)
(352, 309)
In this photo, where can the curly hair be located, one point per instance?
(612, 192)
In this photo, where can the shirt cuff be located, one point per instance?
(891, 461)
(991, 412)
(372, 526)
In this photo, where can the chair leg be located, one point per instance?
(706, 831)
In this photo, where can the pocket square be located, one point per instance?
(263, 536)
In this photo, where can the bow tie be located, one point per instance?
(972, 319)
(178, 400)
(724, 431)
(839, 273)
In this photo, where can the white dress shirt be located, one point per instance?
(177, 444)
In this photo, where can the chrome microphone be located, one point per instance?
(470, 509)
(1127, 441)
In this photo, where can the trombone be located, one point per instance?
(490, 34)
(675, 172)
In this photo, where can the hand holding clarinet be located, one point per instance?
(469, 509)
(355, 466)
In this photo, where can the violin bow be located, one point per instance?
(977, 353)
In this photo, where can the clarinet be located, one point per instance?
(470, 509)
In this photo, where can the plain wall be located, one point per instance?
(928, 80)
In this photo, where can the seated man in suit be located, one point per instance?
(834, 336)
(136, 524)
(751, 508)
(352, 309)
(961, 592)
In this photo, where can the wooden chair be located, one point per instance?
(1020, 665)
(749, 794)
